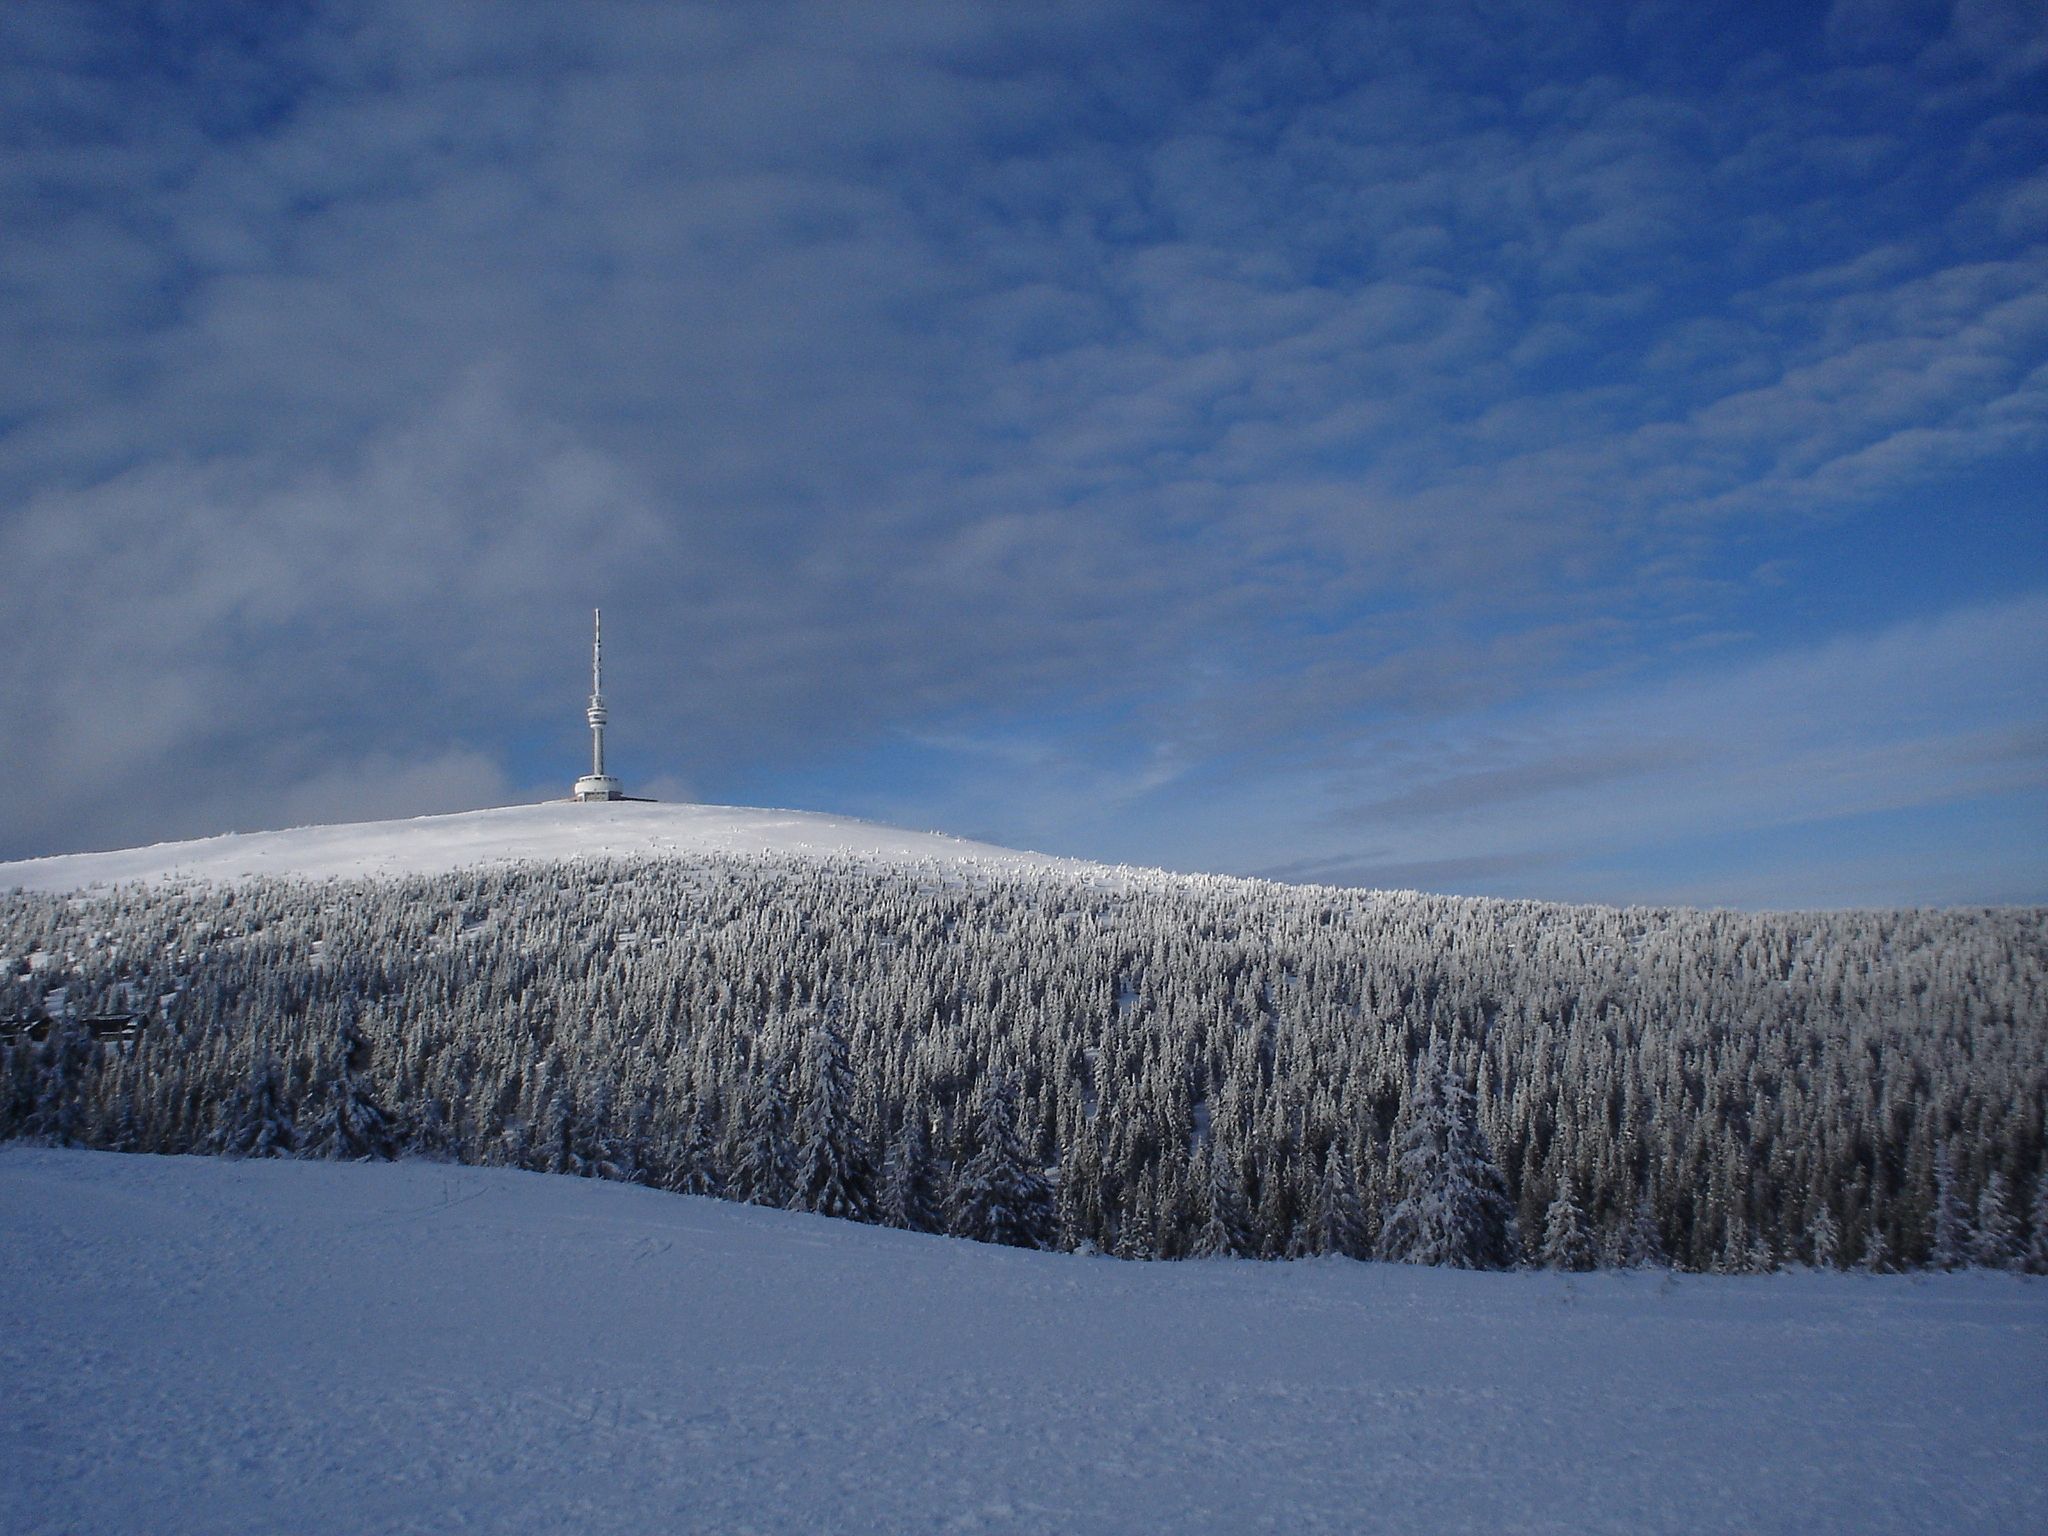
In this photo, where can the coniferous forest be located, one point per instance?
(1146, 1065)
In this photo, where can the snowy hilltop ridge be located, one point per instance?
(427, 845)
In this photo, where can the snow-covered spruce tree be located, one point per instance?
(1079, 1195)
(559, 1142)
(1641, 1245)
(1222, 1234)
(834, 1176)
(257, 1120)
(1333, 1222)
(1951, 1239)
(514, 1147)
(2034, 1258)
(1454, 1208)
(908, 1199)
(121, 1128)
(1996, 1243)
(351, 1124)
(691, 1164)
(58, 1103)
(1137, 1238)
(18, 1079)
(999, 1197)
(1763, 1258)
(763, 1170)
(1278, 1211)
(1823, 1239)
(618, 1139)
(427, 1132)
(1566, 1242)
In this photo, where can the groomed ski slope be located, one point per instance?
(511, 835)
(198, 1345)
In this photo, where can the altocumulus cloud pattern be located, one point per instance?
(1527, 449)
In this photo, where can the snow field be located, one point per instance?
(511, 835)
(200, 1345)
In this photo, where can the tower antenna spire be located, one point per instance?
(597, 784)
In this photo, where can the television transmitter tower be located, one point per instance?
(597, 784)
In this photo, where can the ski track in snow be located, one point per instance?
(191, 1344)
(518, 834)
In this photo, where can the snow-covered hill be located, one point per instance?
(509, 835)
(190, 1344)
(666, 1015)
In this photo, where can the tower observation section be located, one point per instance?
(597, 784)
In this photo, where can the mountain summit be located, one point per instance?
(510, 835)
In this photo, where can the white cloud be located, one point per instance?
(1913, 716)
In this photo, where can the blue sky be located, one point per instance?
(1548, 450)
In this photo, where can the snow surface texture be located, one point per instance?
(191, 1344)
(511, 835)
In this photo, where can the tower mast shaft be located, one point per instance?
(597, 784)
(597, 710)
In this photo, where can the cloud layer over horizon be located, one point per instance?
(1502, 449)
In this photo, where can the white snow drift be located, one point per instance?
(191, 1344)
